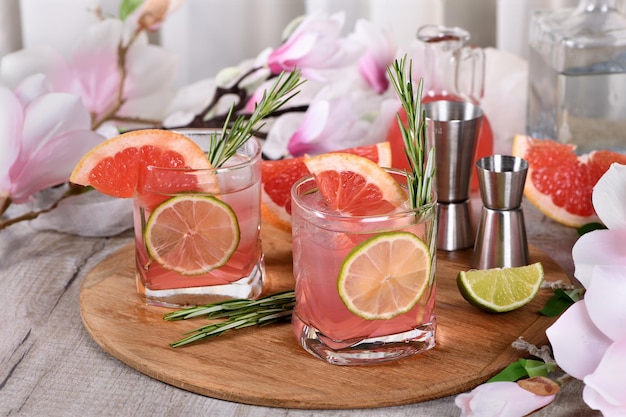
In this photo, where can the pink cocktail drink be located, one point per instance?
(323, 323)
(237, 184)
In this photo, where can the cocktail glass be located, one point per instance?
(322, 241)
(236, 184)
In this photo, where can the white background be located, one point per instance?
(208, 35)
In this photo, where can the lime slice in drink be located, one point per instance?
(385, 275)
(192, 234)
(501, 289)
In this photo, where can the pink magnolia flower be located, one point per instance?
(92, 72)
(334, 122)
(379, 54)
(605, 388)
(42, 136)
(500, 399)
(315, 44)
(589, 339)
(604, 247)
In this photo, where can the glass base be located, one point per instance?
(365, 351)
(249, 287)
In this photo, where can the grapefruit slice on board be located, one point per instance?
(279, 176)
(560, 182)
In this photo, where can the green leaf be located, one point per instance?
(523, 368)
(536, 368)
(590, 227)
(127, 7)
(511, 373)
(560, 301)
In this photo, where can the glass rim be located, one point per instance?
(399, 213)
(257, 155)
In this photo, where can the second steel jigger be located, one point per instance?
(452, 127)
(501, 235)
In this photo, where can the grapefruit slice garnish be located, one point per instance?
(279, 176)
(559, 182)
(353, 185)
(192, 234)
(114, 166)
(385, 275)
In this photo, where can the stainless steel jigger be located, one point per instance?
(452, 128)
(501, 236)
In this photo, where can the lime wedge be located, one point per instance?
(385, 275)
(192, 234)
(501, 289)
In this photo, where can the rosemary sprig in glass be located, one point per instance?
(238, 314)
(420, 179)
(224, 144)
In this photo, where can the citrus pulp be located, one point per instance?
(560, 182)
(278, 177)
(354, 185)
(114, 166)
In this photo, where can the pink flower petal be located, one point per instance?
(50, 116)
(52, 165)
(578, 345)
(373, 73)
(609, 195)
(94, 64)
(605, 388)
(31, 88)
(36, 60)
(314, 45)
(11, 119)
(605, 300)
(380, 52)
(55, 135)
(500, 399)
(150, 68)
(286, 56)
(328, 126)
(600, 247)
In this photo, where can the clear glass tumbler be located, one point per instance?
(329, 320)
(197, 231)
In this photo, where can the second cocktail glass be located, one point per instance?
(328, 247)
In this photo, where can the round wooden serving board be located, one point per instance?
(266, 366)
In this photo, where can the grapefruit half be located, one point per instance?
(279, 176)
(560, 182)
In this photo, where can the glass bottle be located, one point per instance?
(456, 72)
(577, 76)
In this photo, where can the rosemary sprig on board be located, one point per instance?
(420, 179)
(238, 314)
(224, 144)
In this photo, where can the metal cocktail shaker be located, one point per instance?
(501, 236)
(452, 127)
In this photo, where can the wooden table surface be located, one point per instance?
(50, 366)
